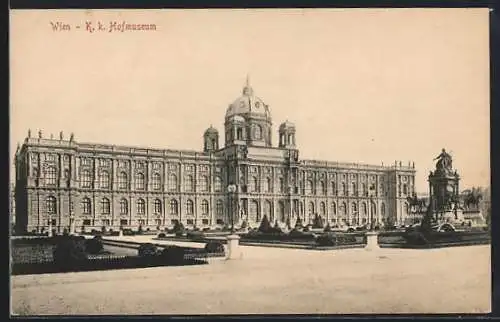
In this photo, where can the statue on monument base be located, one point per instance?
(444, 163)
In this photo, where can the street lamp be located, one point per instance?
(231, 189)
(372, 221)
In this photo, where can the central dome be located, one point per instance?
(248, 105)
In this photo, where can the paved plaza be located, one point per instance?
(271, 281)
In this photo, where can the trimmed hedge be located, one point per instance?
(214, 247)
(335, 240)
(94, 246)
(147, 250)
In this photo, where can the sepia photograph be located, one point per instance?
(249, 161)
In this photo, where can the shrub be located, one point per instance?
(328, 228)
(161, 235)
(172, 254)
(265, 226)
(69, 251)
(103, 229)
(139, 230)
(244, 224)
(178, 227)
(147, 250)
(206, 229)
(195, 235)
(214, 247)
(326, 240)
(94, 245)
(307, 228)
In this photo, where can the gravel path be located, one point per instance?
(271, 280)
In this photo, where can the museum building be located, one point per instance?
(91, 186)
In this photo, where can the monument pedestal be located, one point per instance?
(372, 241)
(233, 242)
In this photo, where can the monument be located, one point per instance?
(444, 191)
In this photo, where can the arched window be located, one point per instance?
(157, 206)
(354, 187)
(281, 211)
(311, 208)
(282, 185)
(268, 210)
(309, 185)
(51, 204)
(364, 208)
(365, 191)
(406, 208)
(354, 208)
(172, 182)
(189, 183)
(86, 206)
(254, 183)
(334, 188)
(344, 189)
(141, 206)
(257, 132)
(156, 181)
(373, 208)
(239, 133)
(104, 180)
(254, 210)
(139, 181)
(322, 208)
(122, 181)
(322, 188)
(267, 187)
(204, 207)
(219, 209)
(86, 179)
(343, 209)
(382, 209)
(218, 184)
(334, 208)
(189, 207)
(123, 206)
(105, 207)
(174, 209)
(51, 176)
(405, 189)
(204, 183)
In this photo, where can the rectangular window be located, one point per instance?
(173, 221)
(54, 222)
(220, 222)
(123, 222)
(190, 222)
(86, 222)
(141, 222)
(105, 222)
(204, 221)
(158, 222)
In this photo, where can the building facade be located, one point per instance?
(94, 185)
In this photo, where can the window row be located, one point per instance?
(140, 206)
(104, 182)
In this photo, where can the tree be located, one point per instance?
(318, 221)
(288, 224)
(265, 226)
(298, 223)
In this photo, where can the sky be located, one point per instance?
(361, 85)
